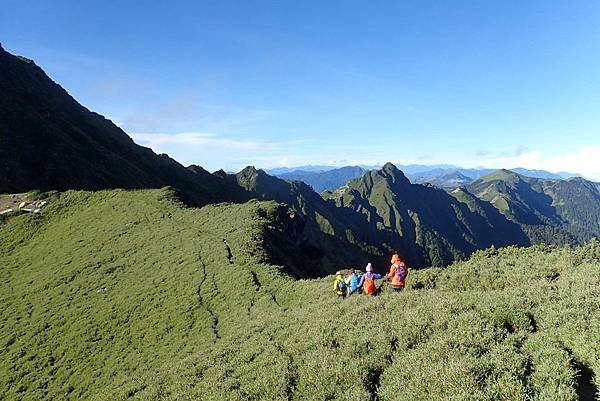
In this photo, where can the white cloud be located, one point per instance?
(212, 140)
(585, 161)
(195, 139)
(214, 151)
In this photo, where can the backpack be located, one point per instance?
(369, 284)
(340, 286)
(401, 272)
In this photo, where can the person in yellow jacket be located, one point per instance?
(339, 284)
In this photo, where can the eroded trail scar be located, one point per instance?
(255, 281)
(372, 382)
(291, 373)
(228, 249)
(214, 318)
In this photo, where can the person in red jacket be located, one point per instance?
(398, 273)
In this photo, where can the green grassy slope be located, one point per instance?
(493, 328)
(107, 285)
(126, 295)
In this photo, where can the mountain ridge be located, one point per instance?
(572, 206)
(51, 142)
(324, 180)
(78, 149)
(425, 219)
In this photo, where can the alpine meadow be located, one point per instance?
(383, 202)
(140, 305)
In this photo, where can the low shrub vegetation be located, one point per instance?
(128, 295)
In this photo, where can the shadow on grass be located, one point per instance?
(585, 385)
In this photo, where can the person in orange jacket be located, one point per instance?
(398, 273)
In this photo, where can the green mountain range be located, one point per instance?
(325, 180)
(551, 211)
(429, 226)
(448, 177)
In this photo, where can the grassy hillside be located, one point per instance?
(126, 295)
(104, 286)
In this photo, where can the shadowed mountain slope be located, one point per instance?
(330, 239)
(48, 141)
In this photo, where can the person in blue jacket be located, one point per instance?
(353, 282)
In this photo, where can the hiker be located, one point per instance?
(339, 285)
(354, 282)
(398, 273)
(367, 281)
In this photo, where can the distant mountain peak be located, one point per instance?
(507, 172)
(502, 175)
(251, 171)
(390, 170)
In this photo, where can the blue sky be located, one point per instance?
(226, 84)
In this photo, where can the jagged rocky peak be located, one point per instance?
(390, 170)
(389, 167)
(221, 173)
(250, 171)
(252, 178)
